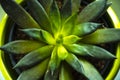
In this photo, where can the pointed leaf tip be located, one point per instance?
(19, 14)
(85, 28)
(102, 36)
(21, 46)
(96, 7)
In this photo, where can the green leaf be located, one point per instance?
(35, 72)
(46, 4)
(18, 14)
(75, 6)
(90, 50)
(53, 66)
(65, 13)
(102, 36)
(108, 4)
(35, 56)
(39, 14)
(70, 39)
(88, 68)
(40, 34)
(65, 73)
(55, 17)
(83, 67)
(68, 25)
(62, 52)
(21, 46)
(91, 11)
(85, 28)
(73, 61)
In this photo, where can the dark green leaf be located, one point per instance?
(73, 61)
(34, 73)
(108, 4)
(85, 28)
(46, 4)
(18, 14)
(39, 14)
(35, 56)
(102, 36)
(53, 66)
(21, 46)
(55, 17)
(75, 6)
(91, 11)
(83, 67)
(65, 73)
(40, 34)
(66, 10)
(88, 68)
(90, 50)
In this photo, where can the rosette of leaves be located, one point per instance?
(61, 33)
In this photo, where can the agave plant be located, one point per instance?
(62, 35)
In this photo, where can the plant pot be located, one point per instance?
(6, 71)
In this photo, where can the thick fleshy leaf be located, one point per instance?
(85, 28)
(55, 17)
(89, 50)
(73, 61)
(83, 67)
(46, 4)
(40, 34)
(70, 39)
(18, 14)
(69, 25)
(102, 36)
(65, 13)
(21, 46)
(75, 6)
(35, 56)
(108, 4)
(88, 68)
(53, 66)
(62, 52)
(91, 11)
(65, 73)
(39, 14)
(34, 73)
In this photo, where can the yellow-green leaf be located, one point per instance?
(62, 52)
(53, 66)
(70, 39)
(40, 34)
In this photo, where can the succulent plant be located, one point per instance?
(62, 35)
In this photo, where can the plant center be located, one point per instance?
(59, 39)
